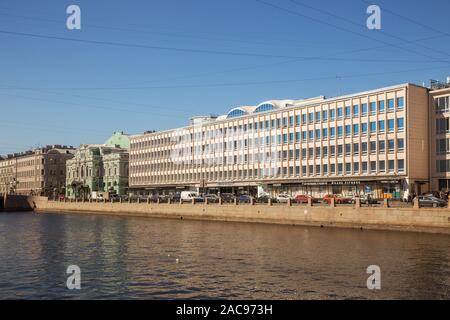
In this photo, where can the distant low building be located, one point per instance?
(99, 168)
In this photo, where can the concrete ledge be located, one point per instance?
(404, 219)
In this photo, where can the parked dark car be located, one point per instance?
(425, 201)
(244, 198)
(175, 197)
(153, 198)
(227, 197)
(141, 198)
(265, 199)
(212, 198)
(114, 198)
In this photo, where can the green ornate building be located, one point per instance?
(99, 168)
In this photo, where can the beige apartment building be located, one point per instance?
(38, 172)
(7, 170)
(370, 142)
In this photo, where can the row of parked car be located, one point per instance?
(188, 196)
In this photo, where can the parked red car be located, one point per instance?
(337, 199)
(301, 198)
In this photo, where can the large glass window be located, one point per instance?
(348, 130)
(401, 165)
(311, 117)
(364, 167)
(340, 131)
(236, 113)
(333, 168)
(391, 145)
(442, 125)
(373, 147)
(339, 113)
(442, 104)
(391, 105)
(264, 107)
(325, 115)
(356, 129)
(382, 166)
(381, 146)
(442, 146)
(391, 165)
(400, 124)
(348, 112)
(348, 168)
(325, 133)
(332, 114)
(373, 107)
(332, 132)
(364, 109)
(400, 103)
(364, 128)
(373, 127)
(400, 145)
(355, 110)
(391, 125)
(318, 116)
(381, 126)
(381, 106)
(373, 166)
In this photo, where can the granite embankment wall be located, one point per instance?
(404, 219)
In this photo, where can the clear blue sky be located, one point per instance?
(170, 59)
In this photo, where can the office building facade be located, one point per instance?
(371, 142)
(440, 137)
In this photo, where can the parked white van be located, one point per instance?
(189, 195)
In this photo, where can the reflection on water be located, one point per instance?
(136, 258)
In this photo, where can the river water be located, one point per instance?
(143, 258)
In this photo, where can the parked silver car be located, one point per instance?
(427, 201)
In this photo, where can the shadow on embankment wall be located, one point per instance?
(15, 203)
